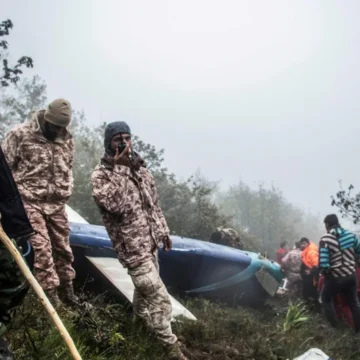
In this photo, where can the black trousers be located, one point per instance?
(309, 290)
(346, 286)
(14, 219)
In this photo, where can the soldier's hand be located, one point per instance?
(167, 243)
(121, 159)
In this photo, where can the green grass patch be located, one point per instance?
(280, 331)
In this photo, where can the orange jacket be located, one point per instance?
(310, 256)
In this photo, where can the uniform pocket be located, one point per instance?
(146, 278)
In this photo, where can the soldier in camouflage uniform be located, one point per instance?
(15, 223)
(291, 265)
(126, 194)
(40, 155)
(228, 237)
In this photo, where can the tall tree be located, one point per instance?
(267, 215)
(10, 73)
(16, 105)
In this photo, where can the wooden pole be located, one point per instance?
(40, 293)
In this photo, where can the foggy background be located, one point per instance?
(262, 91)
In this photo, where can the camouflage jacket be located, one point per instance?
(227, 237)
(42, 169)
(291, 263)
(230, 236)
(131, 213)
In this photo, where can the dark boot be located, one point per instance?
(174, 352)
(68, 297)
(66, 292)
(5, 353)
(53, 297)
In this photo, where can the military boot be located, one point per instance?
(66, 292)
(53, 297)
(174, 352)
(5, 353)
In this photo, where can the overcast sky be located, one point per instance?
(253, 90)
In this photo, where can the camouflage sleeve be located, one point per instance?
(10, 148)
(110, 189)
(71, 162)
(285, 260)
(159, 212)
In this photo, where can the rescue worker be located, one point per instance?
(40, 155)
(281, 252)
(338, 251)
(227, 237)
(310, 271)
(15, 223)
(291, 265)
(126, 194)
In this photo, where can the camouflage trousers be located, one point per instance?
(152, 302)
(13, 286)
(52, 251)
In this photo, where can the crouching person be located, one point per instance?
(127, 197)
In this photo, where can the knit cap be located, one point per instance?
(58, 113)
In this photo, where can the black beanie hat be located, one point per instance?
(113, 129)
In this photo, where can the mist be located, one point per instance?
(263, 92)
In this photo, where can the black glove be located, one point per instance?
(167, 243)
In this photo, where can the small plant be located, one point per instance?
(296, 315)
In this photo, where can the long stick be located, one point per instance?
(40, 293)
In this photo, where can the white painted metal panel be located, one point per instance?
(118, 276)
(74, 216)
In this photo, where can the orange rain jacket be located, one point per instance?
(310, 256)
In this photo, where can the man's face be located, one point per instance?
(51, 131)
(116, 140)
(303, 245)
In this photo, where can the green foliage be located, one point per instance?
(348, 203)
(16, 105)
(10, 73)
(88, 150)
(188, 206)
(105, 332)
(220, 333)
(296, 315)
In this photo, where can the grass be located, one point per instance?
(277, 332)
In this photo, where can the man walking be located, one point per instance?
(40, 155)
(127, 197)
(338, 251)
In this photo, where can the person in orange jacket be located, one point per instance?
(309, 271)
